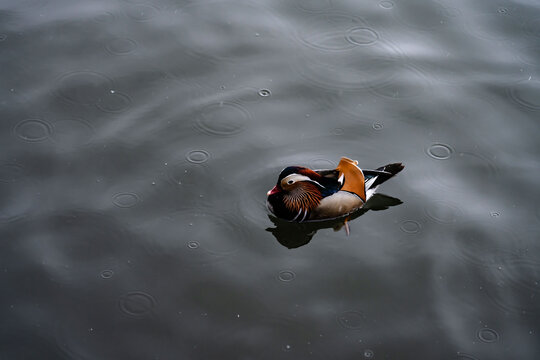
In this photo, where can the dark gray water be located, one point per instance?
(138, 140)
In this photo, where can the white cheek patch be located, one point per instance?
(298, 177)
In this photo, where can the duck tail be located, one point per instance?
(392, 168)
(375, 178)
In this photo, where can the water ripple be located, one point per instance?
(448, 175)
(222, 119)
(386, 4)
(515, 284)
(369, 354)
(482, 247)
(125, 199)
(526, 94)
(83, 87)
(410, 227)
(529, 55)
(264, 92)
(114, 102)
(439, 151)
(487, 335)
(193, 244)
(362, 36)
(443, 212)
(107, 274)
(121, 46)
(337, 32)
(408, 82)
(286, 275)
(197, 156)
(33, 130)
(137, 304)
(377, 126)
(321, 163)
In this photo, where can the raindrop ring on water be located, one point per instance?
(369, 354)
(197, 156)
(439, 151)
(137, 303)
(107, 274)
(193, 245)
(377, 126)
(125, 199)
(121, 46)
(264, 92)
(337, 32)
(362, 36)
(222, 119)
(33, 130)
(410, 227)
(286, 275)
(488, 335)
(443, 212)
(526, 93)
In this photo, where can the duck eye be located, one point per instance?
(290, 182)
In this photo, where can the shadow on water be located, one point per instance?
(293, 235)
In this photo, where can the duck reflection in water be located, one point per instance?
(293, 235)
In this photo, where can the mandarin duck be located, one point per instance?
(293, 235)
(305, 195)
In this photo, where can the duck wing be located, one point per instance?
(329, 178)
(349, 177)
(352, 177)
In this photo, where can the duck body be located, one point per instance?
(302, 194)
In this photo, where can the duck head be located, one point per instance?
(297, 192)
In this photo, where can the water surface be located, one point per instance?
(138, 140)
